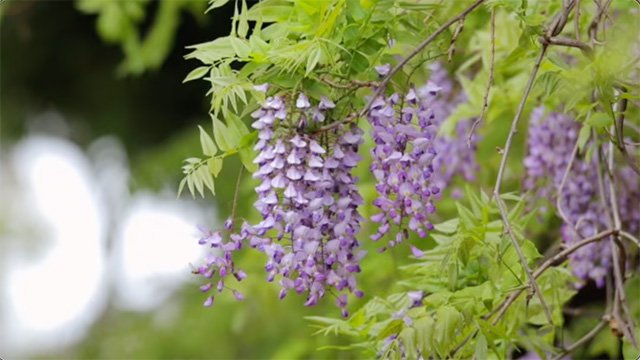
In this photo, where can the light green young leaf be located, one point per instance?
(246, 157)
(213, 4)
(240, 47)
(212, 51)
(583, 136)
(243, 21)
(208, 147)
(207, 179)
(313, 59)
(599, 121)
(221, 134)
(215, 166)
(181, 186)
(196, 73)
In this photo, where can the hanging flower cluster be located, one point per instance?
(456, 152)
(307, 194)
(411, 161)
(550, 145)
(308, 201)
(402, 158)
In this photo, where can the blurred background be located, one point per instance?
(95, 247)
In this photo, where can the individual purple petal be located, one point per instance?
(383, 70)
(416, 252)
(303, 101)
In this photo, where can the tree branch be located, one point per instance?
(485, 104)
(554, 28)
(496, 192)
(583, 340)
(401, 64)
(553, 261)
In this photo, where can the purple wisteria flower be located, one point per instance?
(219, 264)
(403, 133)
(412, 163)
(550, 145)
(308, 202)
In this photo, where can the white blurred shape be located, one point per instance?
(154, 248)
(63, 284)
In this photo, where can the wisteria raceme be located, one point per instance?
(411, 163)
(550, 145)
(219, 265)
(308, 201)
(455, 155)
(403, 133)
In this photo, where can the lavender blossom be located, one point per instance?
(550, 145)
(308, 201)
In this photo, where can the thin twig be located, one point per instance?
(576, 22)
(583, 340)
(485, 103)
(456, 33)
(619, 128)
(630, 237)
(352, 84)
(401, 64)
(554, 28)
(563, 41)
(561, 188)
(616, 250)
(555, 260)
(496, 192)
(593, 26)
(516, 120)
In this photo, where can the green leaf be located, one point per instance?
(599, 121)
(208, 147)
(246, 157)
(313, 60)
(583, 136)
(481, 347)
(221, 134)
(243, 21)
(207, 179)
(248, 140)
(212, 51)
(237, 129)
(215, 166)
(240, 47)
(448, 227)
(196, 73)
(181, 186)
(213, 4)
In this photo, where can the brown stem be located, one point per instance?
(583, 340)
(401, 64)
(617, 253)
(485, 104)
(496, 191)
(563, 41)
(561, 187)
(553, 261)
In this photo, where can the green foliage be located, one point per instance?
(308, 46)
(118, 22)
(230, 139)
(329, 48)
(454, 318)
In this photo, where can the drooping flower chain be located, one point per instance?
(550, 145)
(308, 201)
